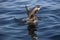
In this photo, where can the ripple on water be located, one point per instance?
(49, 19)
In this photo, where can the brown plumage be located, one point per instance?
(31, 14)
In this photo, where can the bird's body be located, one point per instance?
(32, 18)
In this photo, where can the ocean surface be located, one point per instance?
(48, 27)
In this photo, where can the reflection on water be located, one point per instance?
(31, 30)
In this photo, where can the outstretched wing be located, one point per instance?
(28, 10)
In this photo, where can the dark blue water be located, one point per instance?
(49, 19)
